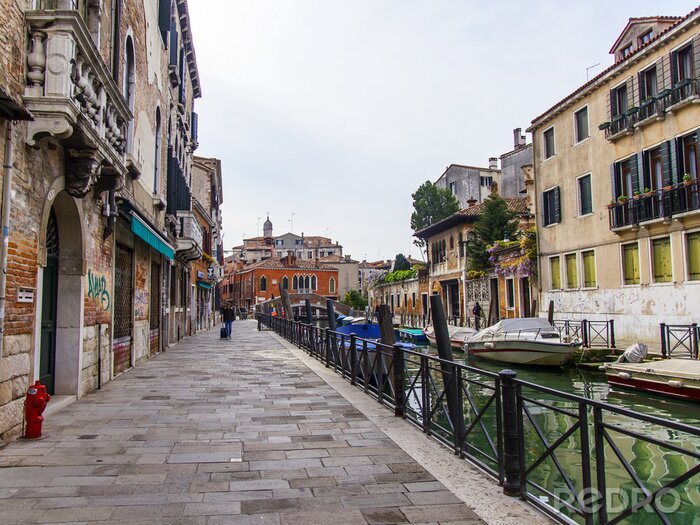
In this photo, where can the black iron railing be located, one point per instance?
(592, 334)
(551, 448)
(680, 339)
(657, 204)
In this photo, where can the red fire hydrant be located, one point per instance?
(34, 406)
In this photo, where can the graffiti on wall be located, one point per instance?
(140, 304)
(97, 290)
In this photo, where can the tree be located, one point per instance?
(354, 299)
(495, 223)
(401, 263)
(431, 204)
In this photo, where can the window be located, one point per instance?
(548, 138)
(581, 121)
(585, 198)
(625, 177)
(279, 242)
(630, 263)
(413, 300)
(693, 249)
(295, 283)
(285, 283)
(662, 268)
(263, 284)
(298, 242)
(646, 37)
(555, 273)
(460, 241)
(648, 86)
(689, 148)
(405, 300)
(486, 181)
(310, 255)
(618, 100)
(453, 188)
(452, 242)
(682, 64)
(551, 206)
(331, 285)
(313, 282)
(164, 15)
(129, 87)
(510, 294)
(627, 50)
(657, 168)
(571, 271)
(589, 278)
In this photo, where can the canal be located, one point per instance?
(654, 465)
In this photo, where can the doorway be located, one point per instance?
(49, 302)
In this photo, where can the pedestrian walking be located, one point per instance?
(477, 310)
(228, 315)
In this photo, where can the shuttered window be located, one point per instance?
(661, 260)
(584, 195)
(164, 15)
(630, 263)
(571, 271)
(555, 273)
(581, 121)
(693, 247)
(510, 293)
(548, 138)
(551, 206)
(589, 277)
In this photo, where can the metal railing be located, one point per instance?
(680, 338)
(551, 448)
(657, 204)
(592, 334)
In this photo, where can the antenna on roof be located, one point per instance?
(291, 221)
(588, 70)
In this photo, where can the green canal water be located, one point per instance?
(653, 464)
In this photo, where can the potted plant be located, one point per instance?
(687, 179)
(611, 204)
(648, 192)
(622, 199)
(637, 195)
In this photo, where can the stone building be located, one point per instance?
(469, 183)
(347, 272)
(258, 282)
(616, 173)
(407, 299)
(93, 252)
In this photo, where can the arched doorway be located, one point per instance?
(49, 302)
(60, 341)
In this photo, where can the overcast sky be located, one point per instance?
(337, 110)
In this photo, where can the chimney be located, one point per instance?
(471, 202)
(519, 140)
(493, 163)
(347, 258)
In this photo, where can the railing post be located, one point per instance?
(259, 316)
(664, 350)
(694, 341)
(353, 359)
(511, 437)
(611, 333)
(585, 334)
(328, 345)
(399, 380)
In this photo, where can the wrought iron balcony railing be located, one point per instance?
(74, 98)
(663, 203)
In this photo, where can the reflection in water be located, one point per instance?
(654, 463)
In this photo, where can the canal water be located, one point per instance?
(653, 464)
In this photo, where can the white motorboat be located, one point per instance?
(678, 378)
(523, 341)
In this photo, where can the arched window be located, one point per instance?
(313, 282)
(156, 159)
(452, 242)
(460, 241)
(285, 283)
(307, 282)
(295, 283)
(331, 285)
(263, 284)
(129, 86)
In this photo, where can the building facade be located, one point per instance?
(616, 175)
(110, 86)
(347, 273)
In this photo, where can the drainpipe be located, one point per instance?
(5, 225)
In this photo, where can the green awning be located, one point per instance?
(152, 238)
(204, 285)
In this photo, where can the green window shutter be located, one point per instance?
(555, 272)
(666, 168)
(557, 205)
(663, 271)
(693, 240)
(631, 263)
(571, 271)
(635, 162)
(164, 14)
(589, 277)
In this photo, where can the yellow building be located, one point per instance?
(616, 177)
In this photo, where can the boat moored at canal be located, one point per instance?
(458, 335)
(679, 378)
(525, 341)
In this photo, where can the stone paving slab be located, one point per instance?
(213, 432)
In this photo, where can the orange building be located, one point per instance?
(264, 280)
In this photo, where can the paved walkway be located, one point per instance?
(216, 432)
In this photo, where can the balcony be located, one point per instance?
(74, 99)
(658, 204)
(188, 243)
(652, 109)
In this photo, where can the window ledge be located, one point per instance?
(581, 141)
(586, 215)
(548, 158)
(661, 285)
(552, 224)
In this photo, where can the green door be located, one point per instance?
(49, 293)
